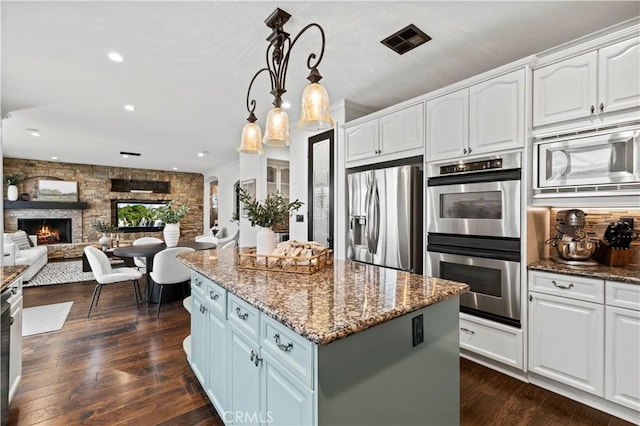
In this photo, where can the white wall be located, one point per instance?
(226, 177)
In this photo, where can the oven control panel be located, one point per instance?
(473, 166)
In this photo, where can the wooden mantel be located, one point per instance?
(74, 205)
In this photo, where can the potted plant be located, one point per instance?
(271, 211)
(171, 216)
(105, 228)
(12, 190)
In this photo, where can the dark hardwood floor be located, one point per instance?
(124, 367)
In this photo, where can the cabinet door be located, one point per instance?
(218, 362)
(199, 339)
(448, 126)
(565, 90)
(496, 114)
(622, 355)
(15, 354)
(285, 400)
(566, 338)
(245, 380)
(362, 141)
(618, 76)
(402, 130)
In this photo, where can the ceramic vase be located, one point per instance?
(171, 234)
(104, 241)
(265, 241)
(12, 193)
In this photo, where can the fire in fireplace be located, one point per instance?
(48, 230)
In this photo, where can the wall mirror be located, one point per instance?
(320, 193)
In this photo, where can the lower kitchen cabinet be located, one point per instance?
(15, 354)
(244, 368)
(566, 338)
(218, 352)
(199, 338)
(622, 349)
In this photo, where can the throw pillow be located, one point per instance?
(21, 240)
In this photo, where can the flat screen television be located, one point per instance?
(137, 216)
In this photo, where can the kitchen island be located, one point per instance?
(350, 344)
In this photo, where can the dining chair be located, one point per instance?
(105, 274)
(168, 270)
(141, 262)
(228, 244)
(206, 239)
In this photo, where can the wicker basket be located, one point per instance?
(248, 259)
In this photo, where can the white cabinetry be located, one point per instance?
(278, 177)
(396, 135)
(588, 85)
(492, 340)
(585, 333)
(15, 354)
(255, 370)
(483, 118)
(566, 337)
(622, 344)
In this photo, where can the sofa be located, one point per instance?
(35, 257)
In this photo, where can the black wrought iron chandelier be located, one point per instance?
(315, 113)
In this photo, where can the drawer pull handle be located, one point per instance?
(11, 320)
(242, 316)
(14, 290)
(213, 296)
(564, 287)
(282, 347)
(198, 283)
(467, 330)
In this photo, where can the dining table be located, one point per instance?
(148, 251)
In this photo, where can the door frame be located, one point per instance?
(330, 136)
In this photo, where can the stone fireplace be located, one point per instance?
(48, 230)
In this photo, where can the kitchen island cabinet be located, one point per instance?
(334, 347)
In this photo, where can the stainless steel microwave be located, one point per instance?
(598, 163)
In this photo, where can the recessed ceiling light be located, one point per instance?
(54, 158)
(115, 57)
(175, 168)
(36, 134)
(202, 153)
(286, 105)
(130, 108)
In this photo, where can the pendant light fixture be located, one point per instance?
(315, 113)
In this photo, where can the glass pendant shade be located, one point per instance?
(315, 113)
(251, 142)
(276, 129)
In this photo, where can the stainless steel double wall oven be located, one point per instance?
(473, 224)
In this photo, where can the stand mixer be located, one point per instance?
(571, 243)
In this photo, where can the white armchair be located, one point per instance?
(34, 257)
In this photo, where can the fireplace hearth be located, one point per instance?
(48, 230)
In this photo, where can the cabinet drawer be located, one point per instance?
(495, 341)
(623, 295)
(574, 287)
(244, 316)
(292, 350)
(198, 283)
(216, 298)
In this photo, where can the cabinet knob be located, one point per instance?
(198, 283)
(464, 150)
(11, 320)
(469, 150)
(601, 107)
(213, 296)
(593, 109)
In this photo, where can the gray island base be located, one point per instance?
(352, 344)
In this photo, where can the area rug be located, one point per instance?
(45, 318)
(60, 273)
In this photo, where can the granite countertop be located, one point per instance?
(333, 303)
(627, 274)
(10, 273)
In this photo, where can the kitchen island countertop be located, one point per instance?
(10, 273)
(331, 304)
(627, 274)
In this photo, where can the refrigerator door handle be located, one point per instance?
(373, 209)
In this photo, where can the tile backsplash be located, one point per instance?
(598, 220)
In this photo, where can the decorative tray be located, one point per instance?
(248, 259)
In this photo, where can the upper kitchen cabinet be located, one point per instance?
(589, 86)
(484, 118)
(396, 135)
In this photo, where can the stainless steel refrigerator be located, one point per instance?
(385, 217)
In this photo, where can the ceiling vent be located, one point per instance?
(406, 39)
